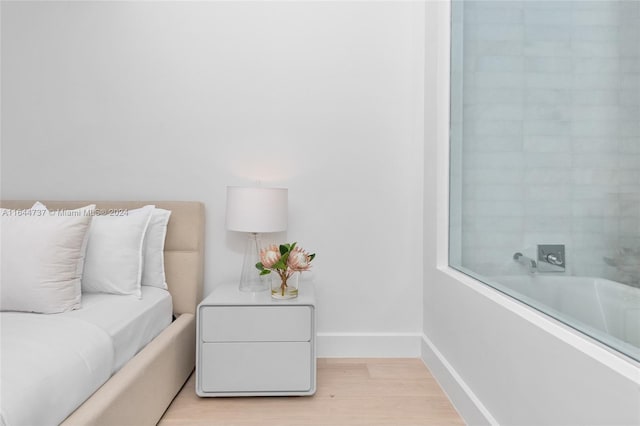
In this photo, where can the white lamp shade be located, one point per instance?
(256, 209)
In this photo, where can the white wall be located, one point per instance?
(499, 361)
(177, 100)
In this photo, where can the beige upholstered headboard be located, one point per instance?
(184, 247)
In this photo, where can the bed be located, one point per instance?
(144, 386)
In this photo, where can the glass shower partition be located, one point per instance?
(545, 158)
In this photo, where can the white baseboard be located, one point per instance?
(470, 408)
(368, 345)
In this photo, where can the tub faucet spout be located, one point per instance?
(531, 264)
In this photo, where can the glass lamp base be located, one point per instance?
(250, 279)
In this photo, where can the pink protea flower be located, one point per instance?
(299, 260)
(269, 256)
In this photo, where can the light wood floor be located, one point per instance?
(349, 392)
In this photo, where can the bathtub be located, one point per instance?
(605, 310)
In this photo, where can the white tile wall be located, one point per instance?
(549, 122)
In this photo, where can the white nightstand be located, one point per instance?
(249, 344)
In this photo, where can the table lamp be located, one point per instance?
(255, 211)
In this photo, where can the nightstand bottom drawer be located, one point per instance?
(256, 367)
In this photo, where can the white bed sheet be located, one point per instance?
(131, 322)
(50, 364)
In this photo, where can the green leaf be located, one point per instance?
(281, 264)
(283, 249)
(311, 257)
(292, 246)
(265, 272)
(260, 266)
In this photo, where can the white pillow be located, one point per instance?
(113, 263)
(153, 269)
(39, 260)
(89, 210)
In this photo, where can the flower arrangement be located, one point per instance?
(285, 260)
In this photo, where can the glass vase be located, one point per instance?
(284, 288)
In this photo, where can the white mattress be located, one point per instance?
(131, 322)
(52, 363)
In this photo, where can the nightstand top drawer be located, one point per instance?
(228, 294)
(255, 323)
